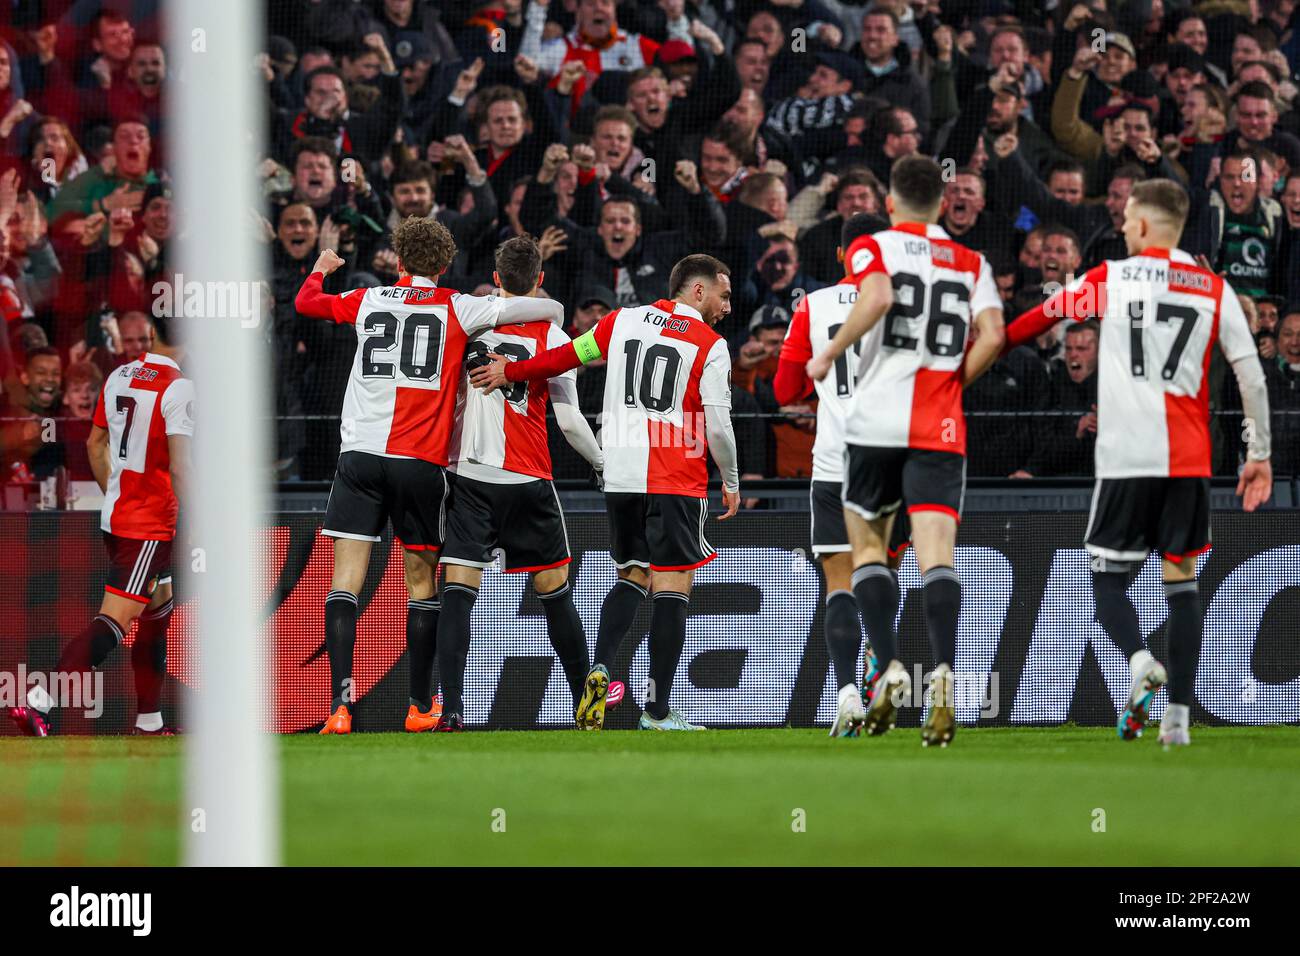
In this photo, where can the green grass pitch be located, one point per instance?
(997, 796)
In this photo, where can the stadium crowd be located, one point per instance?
(626, 135)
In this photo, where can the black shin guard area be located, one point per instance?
(843, 636)
(453, 644)
(875, 588)
(340, 638)
(1115, 612)
(667, 638)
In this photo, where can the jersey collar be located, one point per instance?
(419, 282)
(1173, 255)
(153, 358)
(678, 308)
(930, 230)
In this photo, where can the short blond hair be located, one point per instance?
(1165, 197)
(424, 246)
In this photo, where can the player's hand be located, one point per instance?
(730, 498)
(1255, 486)
(819, 367)
(328, 261)
(492, 375)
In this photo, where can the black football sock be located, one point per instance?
(1185, 627)
(1115, 612)
(667, 638)
(616, 616)
(453, 644)
(149, 657)
(843, 637)
(90, 648)
(875, 587)
(340, 638)
(564, 628)
(942, 592)
(421, 645)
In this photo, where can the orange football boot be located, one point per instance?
(417, 722)
(340, 722)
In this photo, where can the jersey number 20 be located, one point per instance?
(383, 328)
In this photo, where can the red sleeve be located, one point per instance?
(797, 346)
(549, 364)
(863, 258)
(315, 303)
(100, 419)
(791, 382)
(560, 359)
(1083, 299)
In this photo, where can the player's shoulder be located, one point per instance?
(151, 371)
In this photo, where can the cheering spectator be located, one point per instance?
(1063, 442)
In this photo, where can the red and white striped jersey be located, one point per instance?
(401, 395)
(908, 391)
(142, 403)
(664, 365)
(501, 436)
(1160, 315)
(619, 52)
(816, 320)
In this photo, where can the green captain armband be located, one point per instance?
(586, 347)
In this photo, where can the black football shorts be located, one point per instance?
(524, 520)
(878, 480)
(659, 532)
(829, 535)
(1131, 517)
(370, 490)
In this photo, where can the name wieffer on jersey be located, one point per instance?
(909, 389)
(141, 404)
(1161, 315)
(410, 344)
(506, 429)
(664, 365)
(816, 321)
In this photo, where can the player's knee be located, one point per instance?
(636, 574)
(1176, 572)
(419, 569)
(552, 579)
